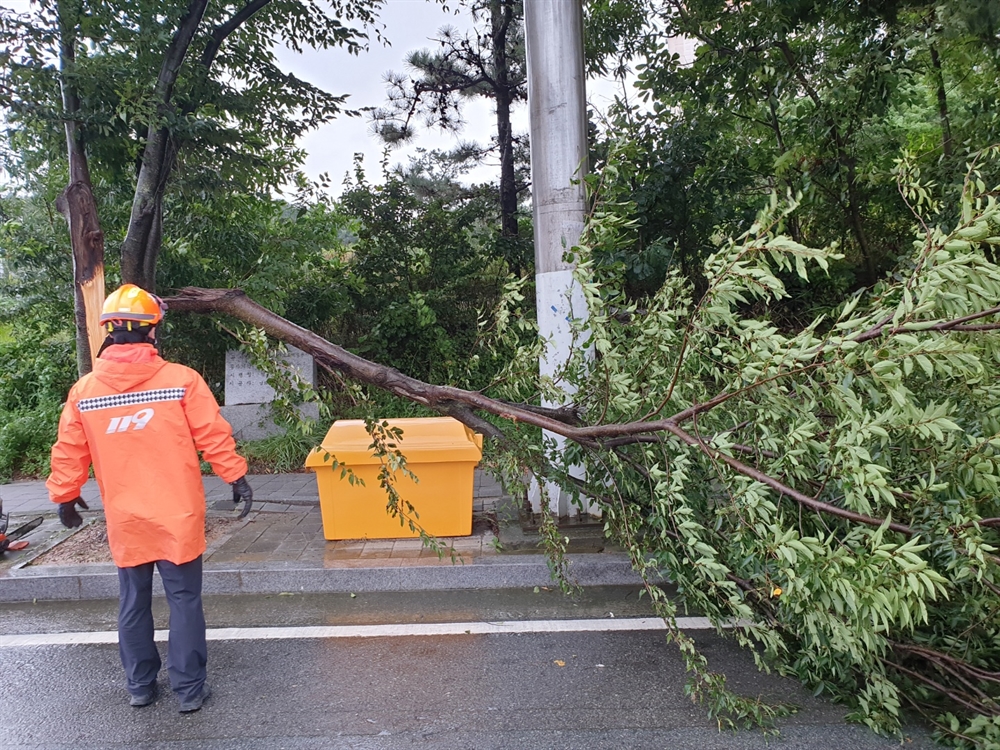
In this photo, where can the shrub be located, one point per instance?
(25, 441)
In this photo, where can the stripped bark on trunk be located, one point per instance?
(77, 205)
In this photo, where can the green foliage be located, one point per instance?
(386, 271)
(25, 440)
(410, 283)
(286, 256)
(421, 271)
(237, 113)
(37, 365)
(816, 100)
(614, 30)
(813, 98)
(834, 487)
(280, 454)
(37, 359)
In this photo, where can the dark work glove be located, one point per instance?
(69, 515)
(242, 491)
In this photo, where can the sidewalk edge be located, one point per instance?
(522, 571)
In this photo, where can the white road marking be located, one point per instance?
(377, 631)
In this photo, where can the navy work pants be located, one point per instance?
(187, 653)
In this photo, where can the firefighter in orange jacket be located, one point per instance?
(141, 421)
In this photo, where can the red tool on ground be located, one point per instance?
(9, 539)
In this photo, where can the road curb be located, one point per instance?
(84, 582)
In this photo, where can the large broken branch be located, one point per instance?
(445, 399)
(462, 404)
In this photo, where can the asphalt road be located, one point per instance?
(518, 690)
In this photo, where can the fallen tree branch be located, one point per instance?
(981, 522)
(442, 398)
(972, 704)
(944, 327)
(783, 489)
(460, 403)
(925, 652)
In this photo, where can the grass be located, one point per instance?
(279, 454)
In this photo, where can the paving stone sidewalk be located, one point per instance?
(285, 526)
(22, 498)
(271, 492)
(297, 537)
(280, 547)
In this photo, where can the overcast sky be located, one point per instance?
(409, 25)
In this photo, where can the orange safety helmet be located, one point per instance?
(130, 304)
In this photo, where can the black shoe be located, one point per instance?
(138, 700)
(193, 704)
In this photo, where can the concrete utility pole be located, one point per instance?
(558, 116)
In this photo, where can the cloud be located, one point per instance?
(409, 25)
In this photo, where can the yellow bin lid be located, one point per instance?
(424, 440)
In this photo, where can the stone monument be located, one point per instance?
(249, 397)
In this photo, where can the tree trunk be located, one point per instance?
(942, 99)
(501, 14)
(142, 241)
(77, 204)
(78, 207)
(508, 184)
(141, 247)
(854, 209)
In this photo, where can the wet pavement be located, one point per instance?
(285, 525)
(520, 690)
(27, 497)
(376, 644)
(374, 608)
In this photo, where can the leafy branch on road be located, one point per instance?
(831, 487)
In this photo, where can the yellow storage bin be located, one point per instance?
(441, 451)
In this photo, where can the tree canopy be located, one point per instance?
(488, 61)
(792, 411)
(814, 98)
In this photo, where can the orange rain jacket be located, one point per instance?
(141, 421)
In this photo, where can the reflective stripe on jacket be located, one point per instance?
(141, 421)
